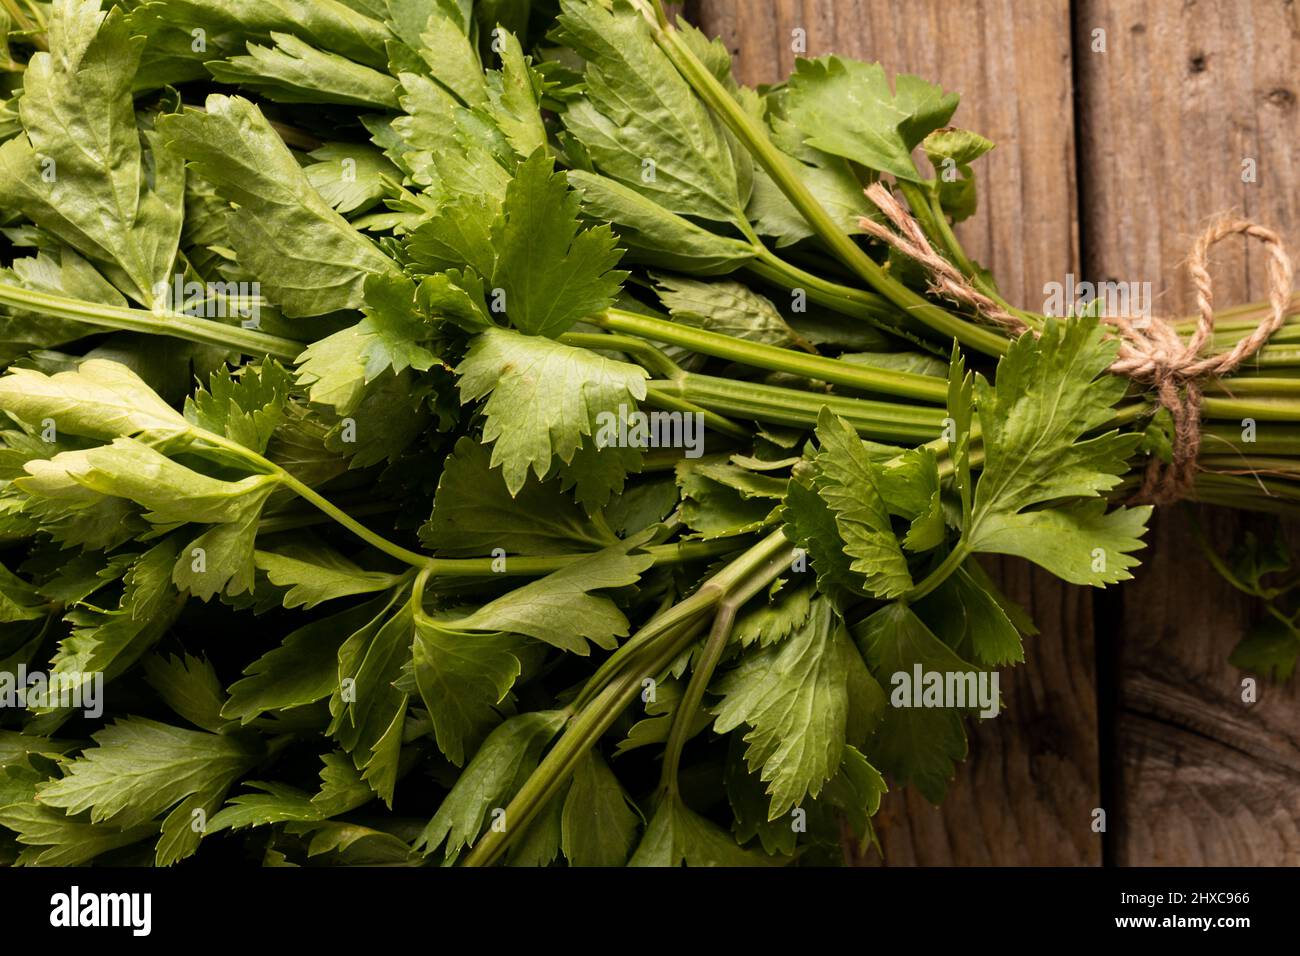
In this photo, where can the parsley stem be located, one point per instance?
(35, 35)
(1219, 439)
(1276, 408)
(1255, 464)
(644, 645)
(645, 353)
(536, 565)
(959, 553)
(602, 708)
(583, 730)
(879, 421)
(926, 388)
(307, 493)
(171, 324)
(858, 302)
(311, 495)
(416, 600)
(298, 518)
(1248, 385)
(521, 565)
(723, 622)
(718, 423)
(684, 714)
(854, 303)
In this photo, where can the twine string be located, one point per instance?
(1151, 350)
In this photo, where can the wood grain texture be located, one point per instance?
(1026, 794)
(1181, 97)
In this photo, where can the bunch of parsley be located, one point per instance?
(338, 532)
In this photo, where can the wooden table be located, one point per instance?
(1114, 148)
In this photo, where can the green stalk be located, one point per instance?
(581, 734)
(1273, 408)
(645, 353)
(170, 324)
(1217, 439)
(1254, 464)
(1249, 492)
(1242, 318)
(680, 552)
(900, 384)
(311, 495)
(1253, 385)
(959, 553)
(603, 707)
(533, 565)
(35, 35)
(655, 361)
(878, 421)
(819, 288)
(706, 664)
(669, 402)
(854, 303)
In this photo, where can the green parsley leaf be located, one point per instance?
(306, 256)
(139, 768)
(302, 670)
(653, 235)
(598, 824)
(108, 641)
(189, 686)
(81, 172)
(845, 108)
(296, 72)
(850, 484)
(313, 574)
(367, 710)
(728, 308)
(474, 512)
(551, 275)
(794, 697)
(951, 151)
(677, 835)
(513, 94)
(544, 398)
(640, 121)
(462, 677)
(560, 608)
(50, 837)
(101, 399)
(1050, 393)
(350, 176)
(498, 770)
(918, 745)
(247, 409)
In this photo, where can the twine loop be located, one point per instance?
(1151, 350)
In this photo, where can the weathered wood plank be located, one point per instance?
(1026, 794)
(1182, 97)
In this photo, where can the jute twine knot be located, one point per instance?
(1151, 350)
